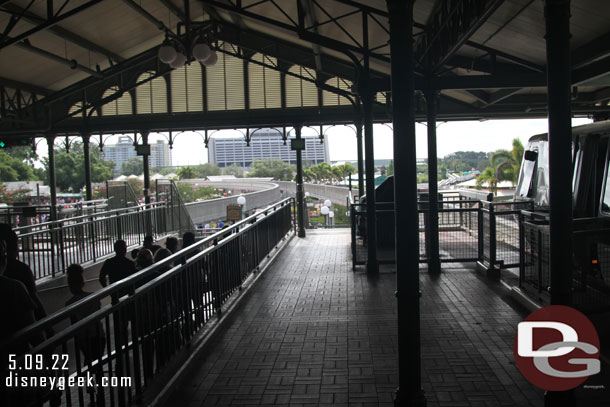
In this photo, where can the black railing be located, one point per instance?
(49, 248)
(458, 231)
(590, 265)
(152, 315)
(469, 231)
(501, 231)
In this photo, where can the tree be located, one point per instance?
(346, 169)
(14, 169)
(488, 176)
(24, 154)
(133, 166)
(205, 170)
(390, 169)
(70, 168)
(505, 166)
(233, 169)
(274, 168)
(308, 176)
(163, 171)
(322, 172)
(337, 173)
(192, 193)
(186, 173)
(465, 161)
(509, 162)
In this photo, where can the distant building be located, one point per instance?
(265, 144)
(160, 154)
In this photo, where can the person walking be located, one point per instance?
(117, 268)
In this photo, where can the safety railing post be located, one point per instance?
(215, 272)
(353, 232)
(119, 229)
(93, 238)
(481, 233)
(62, 251)
(118, 326)
(53, 242)
(492, 270)
(425, 206)
(521, 250)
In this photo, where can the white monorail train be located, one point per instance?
(591, 175)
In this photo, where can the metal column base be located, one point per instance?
(491, 271)
(417, 400)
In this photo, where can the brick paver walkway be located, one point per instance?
(312, 332)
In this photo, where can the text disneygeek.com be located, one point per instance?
(15, 380)
(35, 371)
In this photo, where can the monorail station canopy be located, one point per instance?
(92, 68)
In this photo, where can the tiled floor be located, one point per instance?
(312, 332)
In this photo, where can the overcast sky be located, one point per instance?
(484, 136)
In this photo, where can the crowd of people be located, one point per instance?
(20, 305)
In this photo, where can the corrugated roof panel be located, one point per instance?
(234, 81)
(74, 108)
(215, 85)
(381, 97)
(194, 90)
(264, 84)
(144, 95)
(151, 97)
(178, 84)
(256, 83)
(187, 90)
(159, 95)
(300, 92)
(120, 106)
(124, 104)
(334, 99)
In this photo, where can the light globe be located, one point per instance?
(328, 203)
(211, 60)
(179, 61)
(167, 54)
(201, 52)
(325, 210)
(331, 214)
(241, 200)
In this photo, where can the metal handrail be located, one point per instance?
(51, 224)
(90, 218)
(120, 286)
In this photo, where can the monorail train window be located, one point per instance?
(529, 168)
(576, 167)
(606, 196)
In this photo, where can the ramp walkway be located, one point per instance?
(313, 332)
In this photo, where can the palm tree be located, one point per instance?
(505, 166)
(489, 176)
(508, 163)
(322, 172)
(337, 174)
(308, 175)
(186, 173)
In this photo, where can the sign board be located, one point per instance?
(143, 149)
(297, 144)
(234, 212)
